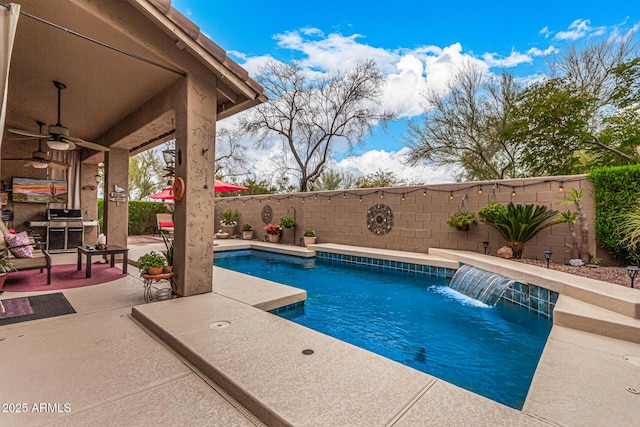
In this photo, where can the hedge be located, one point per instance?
(616, 192)
(142, 216)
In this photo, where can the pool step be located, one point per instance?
(579, 315)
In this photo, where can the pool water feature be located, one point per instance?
(411, 318)
(479, 284)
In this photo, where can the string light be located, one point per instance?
(403, 194)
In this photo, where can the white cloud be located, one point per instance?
(395, 161)
(514, 59)
(578, 29)
(534, 51)
(545, 32)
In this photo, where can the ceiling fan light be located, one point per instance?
(39, 165)
(58, 145)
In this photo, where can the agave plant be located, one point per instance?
(520, 223)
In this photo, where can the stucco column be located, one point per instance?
(116, 214)
(195, 114)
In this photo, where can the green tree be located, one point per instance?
(145, 174)
(466, 127)
(583, 117)
(379, 179)
(332, 180)
(309, 116)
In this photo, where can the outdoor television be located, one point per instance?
(29, 190)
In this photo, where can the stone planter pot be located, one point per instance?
(247, 235)
(229, 229)
(273, 238)
(309, 241)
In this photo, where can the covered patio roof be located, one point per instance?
(106, 85)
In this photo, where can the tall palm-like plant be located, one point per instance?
(519, 223)
(629, 230)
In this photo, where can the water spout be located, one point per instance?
(480, 284)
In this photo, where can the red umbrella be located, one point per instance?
(220, 187)
(227, 187)
(166, 194)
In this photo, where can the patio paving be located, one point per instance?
(112, 370)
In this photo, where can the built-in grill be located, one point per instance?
(65, 229)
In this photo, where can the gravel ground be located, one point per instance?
(617, 275)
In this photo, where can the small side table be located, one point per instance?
(109, 250)
(150, 279)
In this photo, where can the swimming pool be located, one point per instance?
(413, 319)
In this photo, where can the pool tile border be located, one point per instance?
(427, 270)
(535, 298)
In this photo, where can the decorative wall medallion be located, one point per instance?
(380, 219)
(267, 214)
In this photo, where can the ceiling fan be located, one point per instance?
(40, 159)
(58, 137)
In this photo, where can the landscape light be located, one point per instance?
(547, 255)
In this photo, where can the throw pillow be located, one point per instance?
(19, 245)
(166, 224)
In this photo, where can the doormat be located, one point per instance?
(15, 307)
(42, 306)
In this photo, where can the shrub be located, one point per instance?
(520, 223)
(616, 190)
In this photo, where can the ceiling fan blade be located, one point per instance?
(19, 158)
(58, 165)
(28, 133)
(85, 144)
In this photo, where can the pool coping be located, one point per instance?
(556, 397)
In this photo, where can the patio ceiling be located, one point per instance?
(105, 86)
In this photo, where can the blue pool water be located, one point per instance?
(413, 319)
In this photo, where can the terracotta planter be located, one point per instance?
(309, 241)
(168, 269)
(273, 238)
(463, 228)
(247, 235)
(154, 271)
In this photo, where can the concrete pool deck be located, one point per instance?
(122, 374)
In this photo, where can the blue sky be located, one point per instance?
(417, 44)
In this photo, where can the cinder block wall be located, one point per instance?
(419, 221)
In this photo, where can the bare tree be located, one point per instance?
(466, 127)
(230, 155)
(311, 115)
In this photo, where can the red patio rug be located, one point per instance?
(62, 277)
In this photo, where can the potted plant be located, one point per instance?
(168, 254)
(151, 263)
(229, 221)
(247, 232)
(5, 266)
(287, 221)
(221, 234)
(462, 221)
(274, 231)
(309, 237)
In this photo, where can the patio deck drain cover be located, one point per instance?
(634, 360)
(220, 325)
(307, 352)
